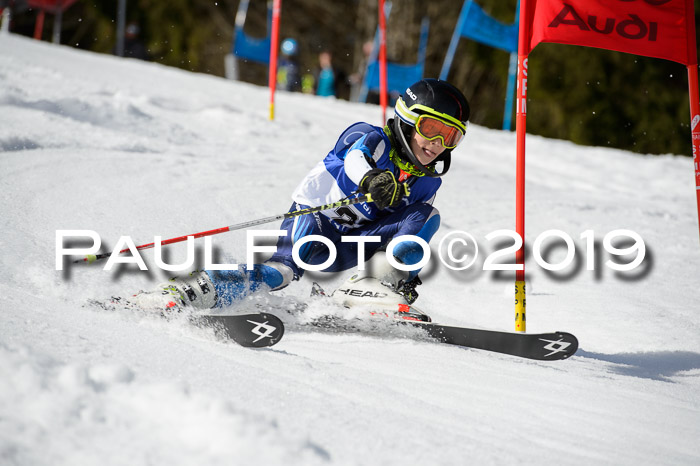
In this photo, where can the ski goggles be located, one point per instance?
(431, 128)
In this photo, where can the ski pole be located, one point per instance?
(239, 226)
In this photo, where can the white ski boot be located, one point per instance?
(379, 289)
(196, 291)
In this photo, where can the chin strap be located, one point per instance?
(396, 158)
(415, 168)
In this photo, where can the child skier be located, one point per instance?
(400, 165)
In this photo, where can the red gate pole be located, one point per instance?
(695, 127)
(520, 125)
(274, 46)
(382, 61)
(39, 25)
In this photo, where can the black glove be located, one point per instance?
(385, 190)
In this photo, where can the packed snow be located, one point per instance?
(129, 148)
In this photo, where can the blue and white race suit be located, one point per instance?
(359, 148)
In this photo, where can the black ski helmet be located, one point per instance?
(437, 98)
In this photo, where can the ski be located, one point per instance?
(255, 330)
(540, 346)
(252, 330)
(550, 346)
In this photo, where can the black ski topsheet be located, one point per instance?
(551, 346)
(262, 329)
(256, 330)
(253, 330)
(541, 346)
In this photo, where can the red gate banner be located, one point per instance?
(654, 28)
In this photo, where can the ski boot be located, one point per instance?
(205, 290)
(384, 290)
(196, 290)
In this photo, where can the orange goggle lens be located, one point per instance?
(431, 128)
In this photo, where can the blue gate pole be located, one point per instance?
(456, 35)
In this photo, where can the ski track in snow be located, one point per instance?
(125, 147)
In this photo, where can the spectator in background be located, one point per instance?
(357, 78)
(326, 83)
(308, 83)
(288, 74)
(133, 47)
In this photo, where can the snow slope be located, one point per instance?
(125, 147)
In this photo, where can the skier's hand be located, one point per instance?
(385, 190)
